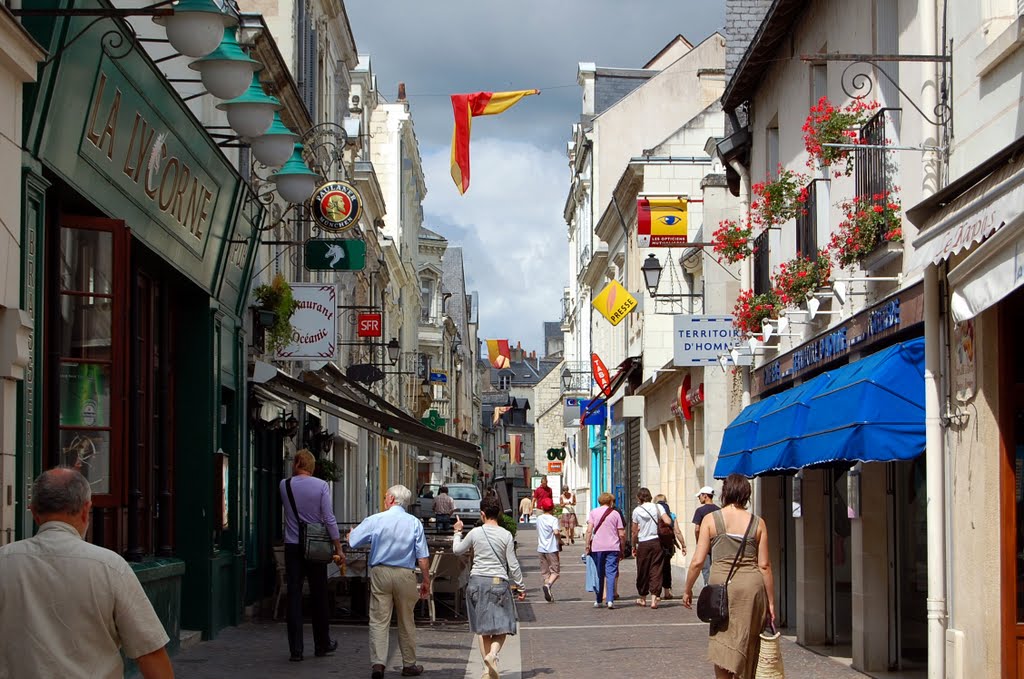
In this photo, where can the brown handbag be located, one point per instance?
(713, 602)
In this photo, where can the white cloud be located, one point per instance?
(510, 225)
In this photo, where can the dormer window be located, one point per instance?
(504, 380)
(426, 299)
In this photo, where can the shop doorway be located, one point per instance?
(1011, 486)
(839, 592)
(787, 557)
(908, 572)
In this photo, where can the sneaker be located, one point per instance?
(597, 604)
(547, 593)
(611, 606)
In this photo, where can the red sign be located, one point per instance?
(368, 325)
(690, 397)
(600, 373)
(555, 467)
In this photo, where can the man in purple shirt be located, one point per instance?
(313, 501)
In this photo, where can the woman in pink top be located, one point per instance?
(605, 533)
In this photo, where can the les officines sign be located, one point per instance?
(129, 143)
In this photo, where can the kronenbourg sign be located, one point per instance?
(700, 340)
(314, 323)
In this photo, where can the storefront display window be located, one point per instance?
(84, 340)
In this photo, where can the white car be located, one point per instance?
(465, 495)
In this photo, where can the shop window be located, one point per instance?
(87, 379)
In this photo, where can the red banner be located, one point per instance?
(600, 374)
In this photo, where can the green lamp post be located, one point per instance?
(196, 27)
(274, 147)
(295, 181)
(226, 71)
(252, 113)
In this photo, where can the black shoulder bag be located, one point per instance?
(316, 543)
(713, 602)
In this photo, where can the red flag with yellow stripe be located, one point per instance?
(466, 107)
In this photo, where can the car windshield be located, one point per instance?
(455, 492)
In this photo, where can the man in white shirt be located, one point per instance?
(547, 547)
(67, 607)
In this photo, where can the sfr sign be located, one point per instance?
(368, 325)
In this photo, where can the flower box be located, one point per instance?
(884, 253)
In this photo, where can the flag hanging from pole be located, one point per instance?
(499, 353)
(466, 107)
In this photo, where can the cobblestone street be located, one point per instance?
(568, 638)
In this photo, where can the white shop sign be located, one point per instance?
(314, 323)
(700, 340)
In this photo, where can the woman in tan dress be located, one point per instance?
(568, 521)
(733, 647)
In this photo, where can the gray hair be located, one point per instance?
(402, 495)
(60, 490)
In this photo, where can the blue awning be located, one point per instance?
(871, 410)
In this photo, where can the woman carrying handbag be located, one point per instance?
(738, 542)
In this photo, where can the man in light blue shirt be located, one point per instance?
(397, 543)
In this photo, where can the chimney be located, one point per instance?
(401, 91)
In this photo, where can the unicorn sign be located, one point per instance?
(335, 254)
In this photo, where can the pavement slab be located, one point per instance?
(568, 638)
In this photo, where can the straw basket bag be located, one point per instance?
(769, 658)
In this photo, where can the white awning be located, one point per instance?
(991, 272)
(993, 203)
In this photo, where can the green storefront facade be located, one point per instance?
(139, 239)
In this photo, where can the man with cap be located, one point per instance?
(706, 498)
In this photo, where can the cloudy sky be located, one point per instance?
(510, 221)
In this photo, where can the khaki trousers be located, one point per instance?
(392, 588)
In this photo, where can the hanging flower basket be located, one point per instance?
(869, 222)
(277, 298)
(828, 124)
(797, 279)
(751, 310)
(733, 241)
(779, 200)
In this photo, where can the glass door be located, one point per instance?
(840, 571)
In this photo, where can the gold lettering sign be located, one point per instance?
(167, 179)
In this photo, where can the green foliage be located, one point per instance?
(327, 470)
(277, 297)
(508, 523)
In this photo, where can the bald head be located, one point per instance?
(62, 494)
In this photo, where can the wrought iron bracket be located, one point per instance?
(115, 43)
(858, 84)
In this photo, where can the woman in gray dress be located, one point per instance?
(492, 612)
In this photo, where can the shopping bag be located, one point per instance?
(769, 657)
(591, 574)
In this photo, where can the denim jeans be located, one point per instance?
(607, 570)
(444, 521)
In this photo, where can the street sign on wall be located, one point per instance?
(335, 254)
(555, 467)
(700, 340)
(314, 323)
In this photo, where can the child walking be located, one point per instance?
(548, 547)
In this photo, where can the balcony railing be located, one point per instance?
(580, 376)
(874, 170)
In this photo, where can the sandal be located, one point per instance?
(654, 603)
(641, 602)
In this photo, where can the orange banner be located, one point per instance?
(465, 108)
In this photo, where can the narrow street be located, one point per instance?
(564, 639)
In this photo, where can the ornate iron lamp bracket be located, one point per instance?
(858, 84)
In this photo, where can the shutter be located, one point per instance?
(306, 56)
(887, 41)
(632, 464)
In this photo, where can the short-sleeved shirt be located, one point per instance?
(547, 533)
(605, 538)
(647, 516)
(702, 511)
(396, 538)
(67, 607)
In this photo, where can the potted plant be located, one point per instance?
(869, 221)
(780, 199)
(276, 297)
(733, 241)
(797, 279)
(828, 124)
(752, 310)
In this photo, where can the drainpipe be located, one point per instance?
(934, 481)
(745, 273)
